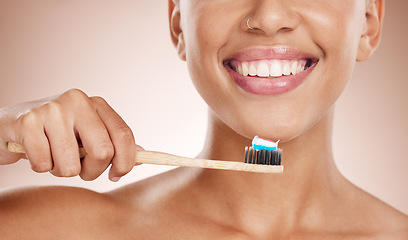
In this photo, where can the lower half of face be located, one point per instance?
(277, 80)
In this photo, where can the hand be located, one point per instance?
(51, 129)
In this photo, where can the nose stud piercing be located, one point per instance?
(250, 28)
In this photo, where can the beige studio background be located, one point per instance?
(121, 50)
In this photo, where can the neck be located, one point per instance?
(309, 176)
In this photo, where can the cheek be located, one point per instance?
(206, 32)
(336, 29)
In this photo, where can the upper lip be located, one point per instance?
(279, 53)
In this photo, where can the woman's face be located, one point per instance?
(279, 78)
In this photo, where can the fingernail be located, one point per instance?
(139, 148)
(115, 179)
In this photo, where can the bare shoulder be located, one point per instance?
(395, 223)
(168, 204)
(49, 212)
(74, 213)
(378, 217)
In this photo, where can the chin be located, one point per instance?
(284, 132)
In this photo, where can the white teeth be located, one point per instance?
(239, 69)
(299, 68)
(252, 69)
(263, 69)
(271, 68)
(286, 68)
(276, 69)
(293, 67)
(245, 70)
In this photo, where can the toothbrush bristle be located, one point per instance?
(263, 157)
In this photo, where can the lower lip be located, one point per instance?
(269, 86)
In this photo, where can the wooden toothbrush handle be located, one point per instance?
(18, 148)
(160, 158)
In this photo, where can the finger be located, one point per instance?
(38, 153)
(35, 142)
(122, 139)
(97, 143)
(62, 141)
(114, 176)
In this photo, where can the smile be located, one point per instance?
(270, 71)
(270, 68)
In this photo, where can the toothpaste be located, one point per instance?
(263, 144)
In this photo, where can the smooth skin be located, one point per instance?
(310, 200)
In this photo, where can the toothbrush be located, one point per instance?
(257, 158)
(263, 152)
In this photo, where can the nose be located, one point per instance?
(273, 16)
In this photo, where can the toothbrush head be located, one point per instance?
(264, 152)
(263, 157)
